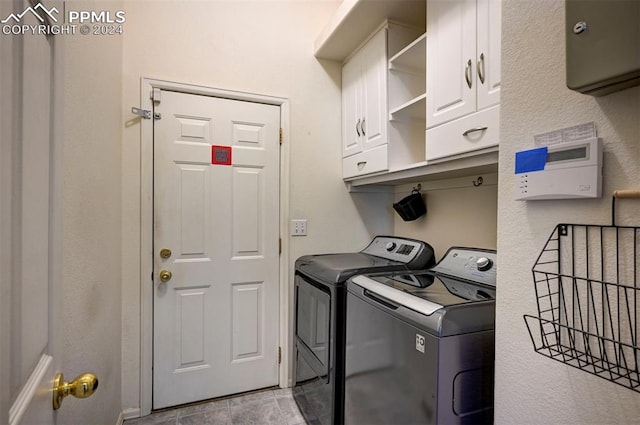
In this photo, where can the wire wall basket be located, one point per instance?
(586, 285)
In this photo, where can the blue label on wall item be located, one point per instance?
(531, 160)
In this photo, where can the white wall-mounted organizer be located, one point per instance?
(406, 108)
(407, 82)
(588, 293)
(371, 142)
(407, 92)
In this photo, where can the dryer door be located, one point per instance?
(313, 324)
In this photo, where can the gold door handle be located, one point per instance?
(81, 387)
(165, 253)
(165, 275)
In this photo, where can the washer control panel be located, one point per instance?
(399, 249)
(474, 264)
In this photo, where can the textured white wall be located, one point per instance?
(262, 47)
(529, 387)
(91, 328)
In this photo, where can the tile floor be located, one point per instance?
(267, 407)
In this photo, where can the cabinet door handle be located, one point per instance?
(357, 129)
(467, 73)
(361, 165)
(362, 127)
(473, 130)
(481, 68)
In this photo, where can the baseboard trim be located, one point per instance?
(130, 413)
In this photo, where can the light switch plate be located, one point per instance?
(299, 227)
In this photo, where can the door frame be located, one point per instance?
(146, 232)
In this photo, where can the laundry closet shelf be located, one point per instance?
(411, 59)
(413, 110)
(470, 164)
(355, 20)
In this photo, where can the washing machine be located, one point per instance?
(420, 345)
(320, 317)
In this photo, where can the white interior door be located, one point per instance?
(30, 226)
(216, 208)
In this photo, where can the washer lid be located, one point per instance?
(439, 305)
(335, 269)
(435, 289)
(381, 286)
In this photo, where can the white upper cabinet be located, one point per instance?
(451, 52)
(371, 143)
(364, 97)
(463, 58)
(463, 77)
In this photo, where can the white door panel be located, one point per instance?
(216, 319)
(351, 106)
(374, 69)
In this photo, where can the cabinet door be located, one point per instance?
(374, 97)
(351, 110)
(451, 56)
(488, 59)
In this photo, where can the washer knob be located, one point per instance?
(484, 264)
(391, 246)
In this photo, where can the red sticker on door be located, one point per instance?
(221, 155)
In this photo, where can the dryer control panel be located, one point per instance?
(403, 250)
(474, 264)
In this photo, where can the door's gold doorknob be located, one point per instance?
(165, 275)
(165, 253)
(81, 387)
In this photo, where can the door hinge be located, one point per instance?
(279, 246)
(145, 113)
(281, 136)
(279, 355)
(155, 94)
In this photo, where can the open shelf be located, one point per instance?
(413, 110)
(413, 58)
